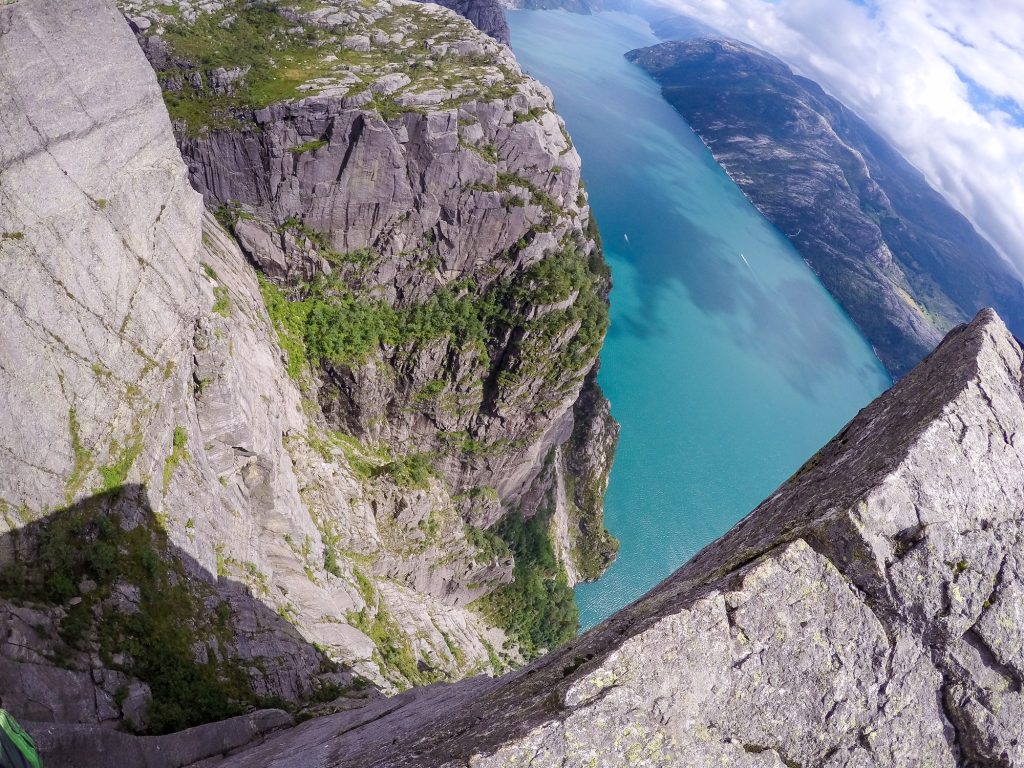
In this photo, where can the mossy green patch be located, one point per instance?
(83, 457)
(221, 301)
(538, 609)
(412, 471)
(489, 544)
(178, 454)
(393, 652)
(308, 146)
(533, 113)
(289, 319)
(326, 321)
(154, 640)
(115, 473)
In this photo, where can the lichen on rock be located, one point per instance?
(314, 403)
(866, 613)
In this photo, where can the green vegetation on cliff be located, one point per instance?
(327, 320)
(594, 548)
(255, 38)
(564, 277)
(393, 651)
(126, 593)
(537, 609)
(244, 56)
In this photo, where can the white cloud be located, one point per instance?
(942, 79)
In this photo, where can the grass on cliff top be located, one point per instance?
(278, 59)
(279, 55)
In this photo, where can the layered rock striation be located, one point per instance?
(252, 459)
(867, 613)
(901, 261)
(441, 207)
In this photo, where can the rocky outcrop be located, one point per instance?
(143, 384)
(867, 613)
(459, 207)
(903, 262)
(124, 494)
(224, 487)
(587, 465)
(81, 745)
(487, 16)
(435, 211)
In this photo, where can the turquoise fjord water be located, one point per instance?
(727, 363)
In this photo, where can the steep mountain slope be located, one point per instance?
(106, 318)
(225, 486)
(868, 613)
(419, 202)
(896, 255)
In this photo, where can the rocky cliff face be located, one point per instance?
(868, 613)
(424, 197)
(189, 532)
(487, 16)
(224, 486)
(440, 212)
(894, 253)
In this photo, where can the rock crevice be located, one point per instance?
(865, 614)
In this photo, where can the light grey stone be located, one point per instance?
(864, 615)
(125, 344)
(356, 42)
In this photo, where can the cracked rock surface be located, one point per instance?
(142, 378)
(138, 356)
(869, 613)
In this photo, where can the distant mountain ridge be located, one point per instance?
(904, 263)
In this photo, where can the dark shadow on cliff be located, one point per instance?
(117, 589)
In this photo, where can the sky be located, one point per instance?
(942, 79)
